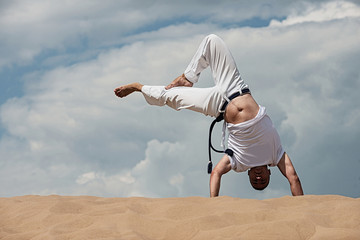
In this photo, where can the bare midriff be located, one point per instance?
(241, 109)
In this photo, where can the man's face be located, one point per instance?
(259, 177)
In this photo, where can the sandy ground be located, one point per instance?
(85, 217)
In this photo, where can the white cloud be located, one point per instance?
(327, 11)
(33, 28)
(86, 177)
(160, 174)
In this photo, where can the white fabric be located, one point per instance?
(254, 143)
(211, 52)
(203, 100)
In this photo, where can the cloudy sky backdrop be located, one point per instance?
(63, 131)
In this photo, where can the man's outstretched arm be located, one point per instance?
(221, 168)
(287, 169)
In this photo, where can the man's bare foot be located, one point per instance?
(180, 81)
(125, 90)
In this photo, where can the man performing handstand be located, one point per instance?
(253, 141)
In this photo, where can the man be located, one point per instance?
(253, 140)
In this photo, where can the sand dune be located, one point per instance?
(60, 217)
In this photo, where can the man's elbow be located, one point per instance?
(214, 175)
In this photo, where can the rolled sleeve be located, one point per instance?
(191, 76)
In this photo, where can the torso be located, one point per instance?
(241, 109)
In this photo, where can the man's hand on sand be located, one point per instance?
(180, 81)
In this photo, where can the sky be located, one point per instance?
(63, 131)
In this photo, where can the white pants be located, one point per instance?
(214, 53)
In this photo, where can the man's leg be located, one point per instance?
(201, 100)
(212, 52)
(125, 90)
(179, 82)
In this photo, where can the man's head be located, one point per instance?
(259, 177)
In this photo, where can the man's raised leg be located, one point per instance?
(125, 90)
(180, 81)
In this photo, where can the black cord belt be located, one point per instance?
(234, 95)
(218, 119)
